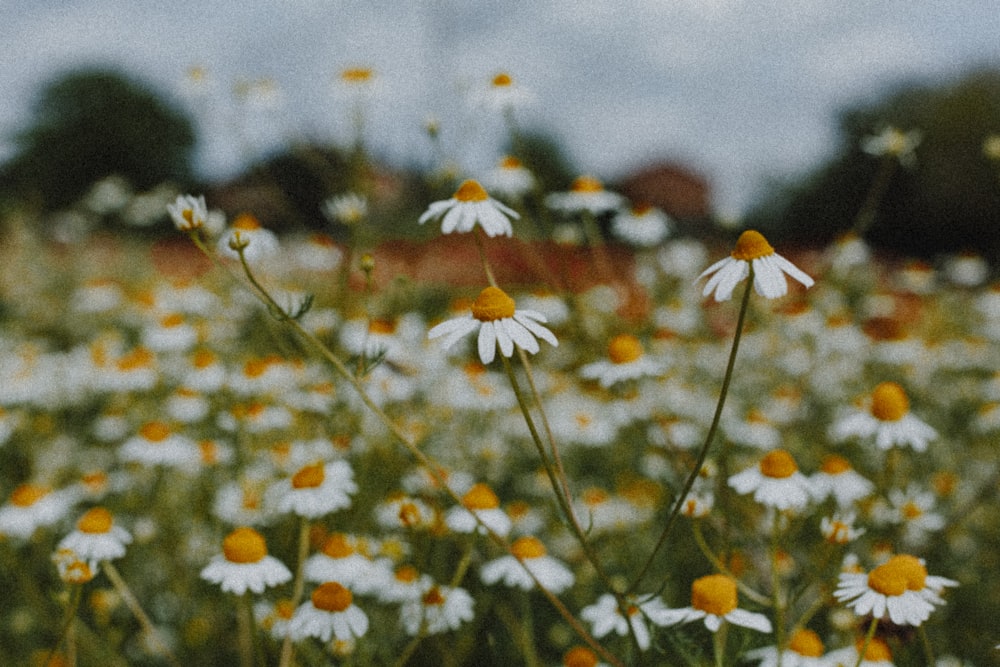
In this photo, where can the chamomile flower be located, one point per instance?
(318, 489)
(188, 212)
(348, 209)
(877, 654)
(888, 419)
(482, 502)
(96, 538)
(470, 205)
(893, 142)
(837, 478)
(33, 506)
(436, 610)
(528, 554)
(604, 617)
(899, 589)
(339, 560)
(805, 649)
(626, 361)
(510, 179)
(246, 232)
(245, 565)
(642, 225)
(714, 600)
(769, 269)
(498, 322)
(775, 482)
(502, 94)
(329, 614)
(581, 656)
(156, 444)
(585, 194)
(839, 528)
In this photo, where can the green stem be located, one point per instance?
(868, 640)
(244, 619)
(287, 648)
(779, 604)
(719, 645)
(132, 602)
(699, 538)
(866, 214)
(703, 453)
(64, 631)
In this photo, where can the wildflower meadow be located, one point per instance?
(608, 443)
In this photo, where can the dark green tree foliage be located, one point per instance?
(92, 123)
(949, 201)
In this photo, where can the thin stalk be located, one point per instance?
(868, 640)
(925, 641)
(719, 645)
(779, 604)
(596, 242)
(699, 538)
(133, 604)
(65, 631)
(287, 648)
(703, 453)
(490, 278)
(869, 207)
(244, 620)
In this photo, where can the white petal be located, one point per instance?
(487, 342)
(520, 335)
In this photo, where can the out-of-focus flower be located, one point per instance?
(438, 609)
(498, 322)
(877, 654)
(246, 232)
(528, 554)
(339, 560)
(839, 528)
(714, 600)
(72, 568)
(894, 142)
(33, 506)
(775, 482)
(188, 212)
(245, 565)
(96, 538)
(605, 617)
(838, 478)
(318, 489)
(510, 179)
(769, 269)
(585, 194)
(888, 419)
(329, 614)
(470, 205)
(642, 225)
(805, 649)
(900, 589)
(348, 209)
(502, 94)
(157, 444)
(626, 361)
(483, 502)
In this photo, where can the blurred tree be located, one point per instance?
(89, 124)
(947, 200)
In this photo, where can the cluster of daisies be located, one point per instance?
(176, 448)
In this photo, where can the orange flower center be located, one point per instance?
(714, 594)
(835, 465)
(331, 596)
(433, 597)
(381, 326)
(624, 348)
(27, 495)
(877, 651)
(337, 546)
(138, 358)
(309, 477)
(284, 609)
(806, 643)
(154, 431)
(356, 75)
(492, 304)
(95, 520)
(202, 359)
(528, 547)
(246, 222)
(580, 656)
(510, 162)
(889, 402)
(173, 320)
(751, 245)
(502, 80)
(778, 464)
(480, 497)
(409, 514)
(406, 574)
(244, 545)
(471, 190)
(586, 184)
(897, 575)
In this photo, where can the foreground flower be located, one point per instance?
(188, 212)
(439, 609)
(626, 361)
(775, 482)
(245, 565)
(96, 538)
(900, 589)
(769, 269)
(805, 649)
(499, 323)
(246, 234)
(553, 575)
(604, 617)
(329, 614)
(471, 204)
(888, 419)
(713, 598)
(877, 654)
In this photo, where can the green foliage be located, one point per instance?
(92, 123)
(948, 201)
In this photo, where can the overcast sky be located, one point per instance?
(741, 90)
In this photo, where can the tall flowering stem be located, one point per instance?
(868, 640)
(287, 649)
(703, 452)
(133, 604)
(66, 631)
(869, 207)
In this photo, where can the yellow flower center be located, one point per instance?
(502, 80)
(714, 594)
(528, 547)
(471, 190)
(877, 651)
(331, 596)
(246, 222)
(356, 75)
(806, 643)
(580, 656)
(173, 320)
(140, 357)
(284, 609)
(95, 520)
(778, 464)
(586, 184)
(911, 510)
(897, 575)
(751, 245)
(309, 477)
(337, 546)
(27, 495)
(889, 402)
(244, 545)
(492, 304)
(202, 359)
(835, 465)
(480, 497)
(624, 348)
(381, 326)
(409, 514)
(510, 162)
(406, 574)
(154, 431)
(433, 597)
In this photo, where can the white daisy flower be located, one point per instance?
(188, 212)
(245, 565)
(329, 614)
(257, 243)
(769, 269)
(503, 94)
(348, 209)
(626, 361)
(900, 589)
(604, 617)
(839, 528)
(469, 205)
(318, 489)
(586, 193)
(893, 141)
(405, 583)
(837, 478)
(528, 554)
(157, 444)
(32, 506)
(877, 654)
(775, 482)
(510, 179)
(805, 649)
(888, 419)
(494, 316)
(338, 560)
(96, 538)
(642, 225)
(714, 600)
(483, 502)
(438, 609)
